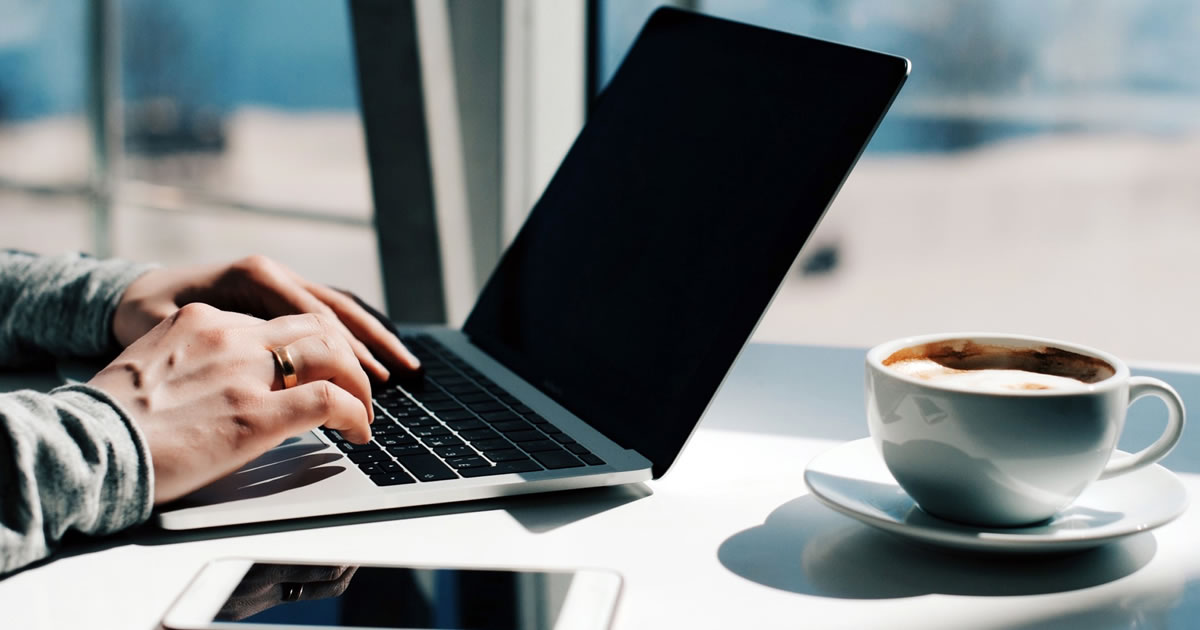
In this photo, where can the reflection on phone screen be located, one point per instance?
(395, 597)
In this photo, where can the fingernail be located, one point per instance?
(412, 360)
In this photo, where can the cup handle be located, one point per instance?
(1140, 387)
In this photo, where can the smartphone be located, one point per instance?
(246, 594)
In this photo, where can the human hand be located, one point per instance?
(268, 585)
(257, 286)
(204, 388)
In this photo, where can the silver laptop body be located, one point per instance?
(308, 476)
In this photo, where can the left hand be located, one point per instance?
(263, 288)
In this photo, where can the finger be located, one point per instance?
(328, 358)
(283, 331)
(288, 328)
(304, 573)
(294, 298)
(310, 405)
(366, 326)
(323, 589)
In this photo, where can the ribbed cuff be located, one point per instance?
(127, 490)
(106, 285)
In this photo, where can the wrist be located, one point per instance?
(135, 313)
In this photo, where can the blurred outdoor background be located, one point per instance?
(1039, 173)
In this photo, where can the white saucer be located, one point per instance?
(852, 479)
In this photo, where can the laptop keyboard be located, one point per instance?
(455, 422)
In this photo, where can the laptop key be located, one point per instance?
(476, 397)
(560, 437)
(456, 415)
(487, 405)
(387, 428)
(430, 431)
(576, 448)
(447, 452)
(501, 469)
(506, 455)
(525, 436)
(419, 421)
(499, 416)
(475, 435)
(350, 447)
(556, 459)
(475, 461)
(442, 440)
(540, 445)
(413, 412)
(392, 479)
(412, 448)
(393, 440)
(591, 460)
(466, 425)
(447, 405)
(369, 456)
(533, 417)
(427, 468)
(492, 445)
(380, 468)
(415, 385)
(333, 435)
(509, 426)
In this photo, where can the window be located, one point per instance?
(45, 155)
(1037, 173)
(238, 125)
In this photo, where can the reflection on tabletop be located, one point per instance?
(268, 585)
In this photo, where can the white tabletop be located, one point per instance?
(730, 538)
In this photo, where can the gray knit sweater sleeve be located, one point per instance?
(71, 459)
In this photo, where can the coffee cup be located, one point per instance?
(1005, 430)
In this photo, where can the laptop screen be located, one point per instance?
(658, 244)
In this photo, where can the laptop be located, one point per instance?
(611, 321)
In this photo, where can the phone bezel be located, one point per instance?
(590, 603)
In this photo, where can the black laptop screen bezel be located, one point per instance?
(687, 78)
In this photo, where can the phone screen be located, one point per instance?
(395, 597)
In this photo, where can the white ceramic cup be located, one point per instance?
(1005, 457)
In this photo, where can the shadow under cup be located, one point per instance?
(974, 432)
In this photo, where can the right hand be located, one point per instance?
(204, 388)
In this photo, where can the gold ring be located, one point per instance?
(283, 359)
(292, 591)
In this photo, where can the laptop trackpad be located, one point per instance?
(295, 463)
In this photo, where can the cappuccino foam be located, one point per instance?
(987, 379)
